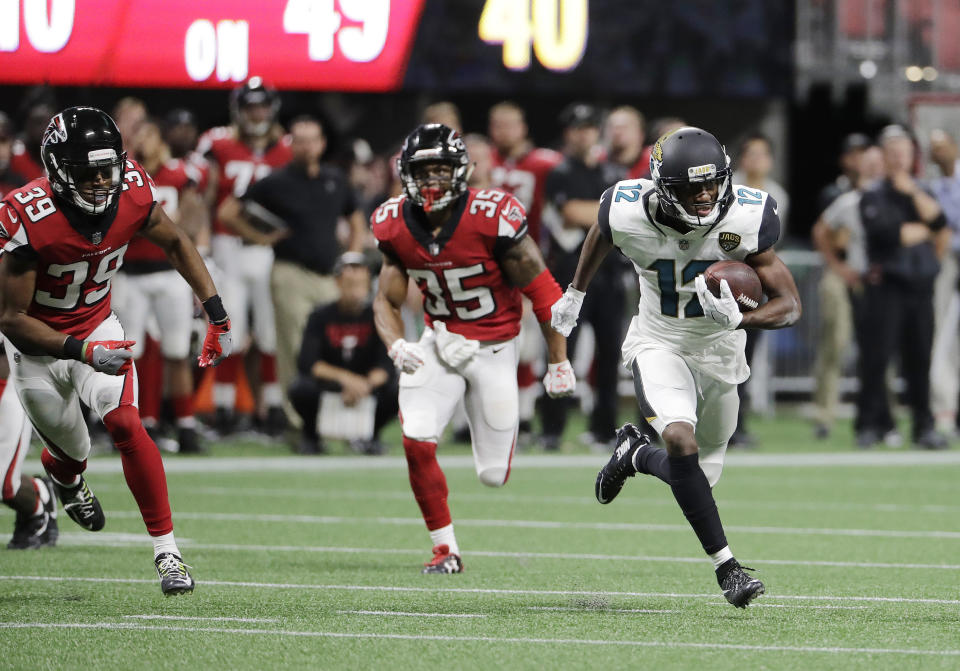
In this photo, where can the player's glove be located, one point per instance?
(406, 356)
(723, 310)
(112, 357)
(560, 380)
(565, 312)
(454, 348)
(217, 345)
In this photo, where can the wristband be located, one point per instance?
(213, 306)
(73, 348)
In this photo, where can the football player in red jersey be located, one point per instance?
(149, 286)
(521, 168)
(243, 153)
(69, 233)
(469, 252)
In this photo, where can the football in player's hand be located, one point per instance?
(743, 280)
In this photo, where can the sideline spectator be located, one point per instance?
(851, 151)
(303, 202)
(755, 164)
(899, 220)
(944, 382)
(342, 353)
(444, 112)
(624, 135)
(573, 200)
(838, 236)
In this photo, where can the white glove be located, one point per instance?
(559, 380)
(454, 348)
(723, 310)
(406, 356)
(564, 312)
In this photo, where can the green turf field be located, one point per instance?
(314, 563)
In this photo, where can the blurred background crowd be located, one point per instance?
(844, 111)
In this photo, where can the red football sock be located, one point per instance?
(150, 377)
(428, 482)
(228, 369)
(525, 376)
(142, 468)
(268, 368)
(182, 406)
(62, 468)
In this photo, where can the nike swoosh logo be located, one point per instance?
(775, 210)
(498, 349)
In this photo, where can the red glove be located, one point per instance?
(217, 345)
(112, 357)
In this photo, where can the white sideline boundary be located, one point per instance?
(480, 590)
(111, 464)
(540, 524)
(202, 619)
(402, 613)
(483, 639)
(138, 541)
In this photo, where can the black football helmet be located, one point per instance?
(254, 92)
(80, 145)
(433, 143)
(680, 163)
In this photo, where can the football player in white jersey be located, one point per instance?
(685, 347)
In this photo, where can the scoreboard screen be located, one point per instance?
(643, 46)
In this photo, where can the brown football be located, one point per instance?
(743, 280)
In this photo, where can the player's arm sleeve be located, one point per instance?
(387, 250)
(603, 216)
(769, 226)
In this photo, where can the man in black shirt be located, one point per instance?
(342, 353)
(573, 191)
(900, 222)
(305, 199)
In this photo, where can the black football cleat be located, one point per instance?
(37, 531)
(621, 466)
(81, 505)
(174, 577)
(738, 587)
(443, 561)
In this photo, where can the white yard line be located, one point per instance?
(406, 614)
(202, 619)
(87, 539)
(110, 464)
(501, 497)
(478, 590)
(543, 524)
(588, 609)
(754, 604)
(488, 639)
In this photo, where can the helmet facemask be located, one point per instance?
(90, 185)
(677, 194)
(426, 187)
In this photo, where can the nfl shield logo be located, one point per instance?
(684, 245)
(434, 248)
(729, 241)
(97, 238)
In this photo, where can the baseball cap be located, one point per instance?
(892, 131)
(580, 114)
(854, 141)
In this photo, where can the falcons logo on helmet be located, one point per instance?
(56, 131)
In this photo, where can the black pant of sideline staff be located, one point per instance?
(304, 396)
(897, 316)
(603, 309)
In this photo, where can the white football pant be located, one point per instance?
(246, 290)
(488, 386)
(669, 390)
